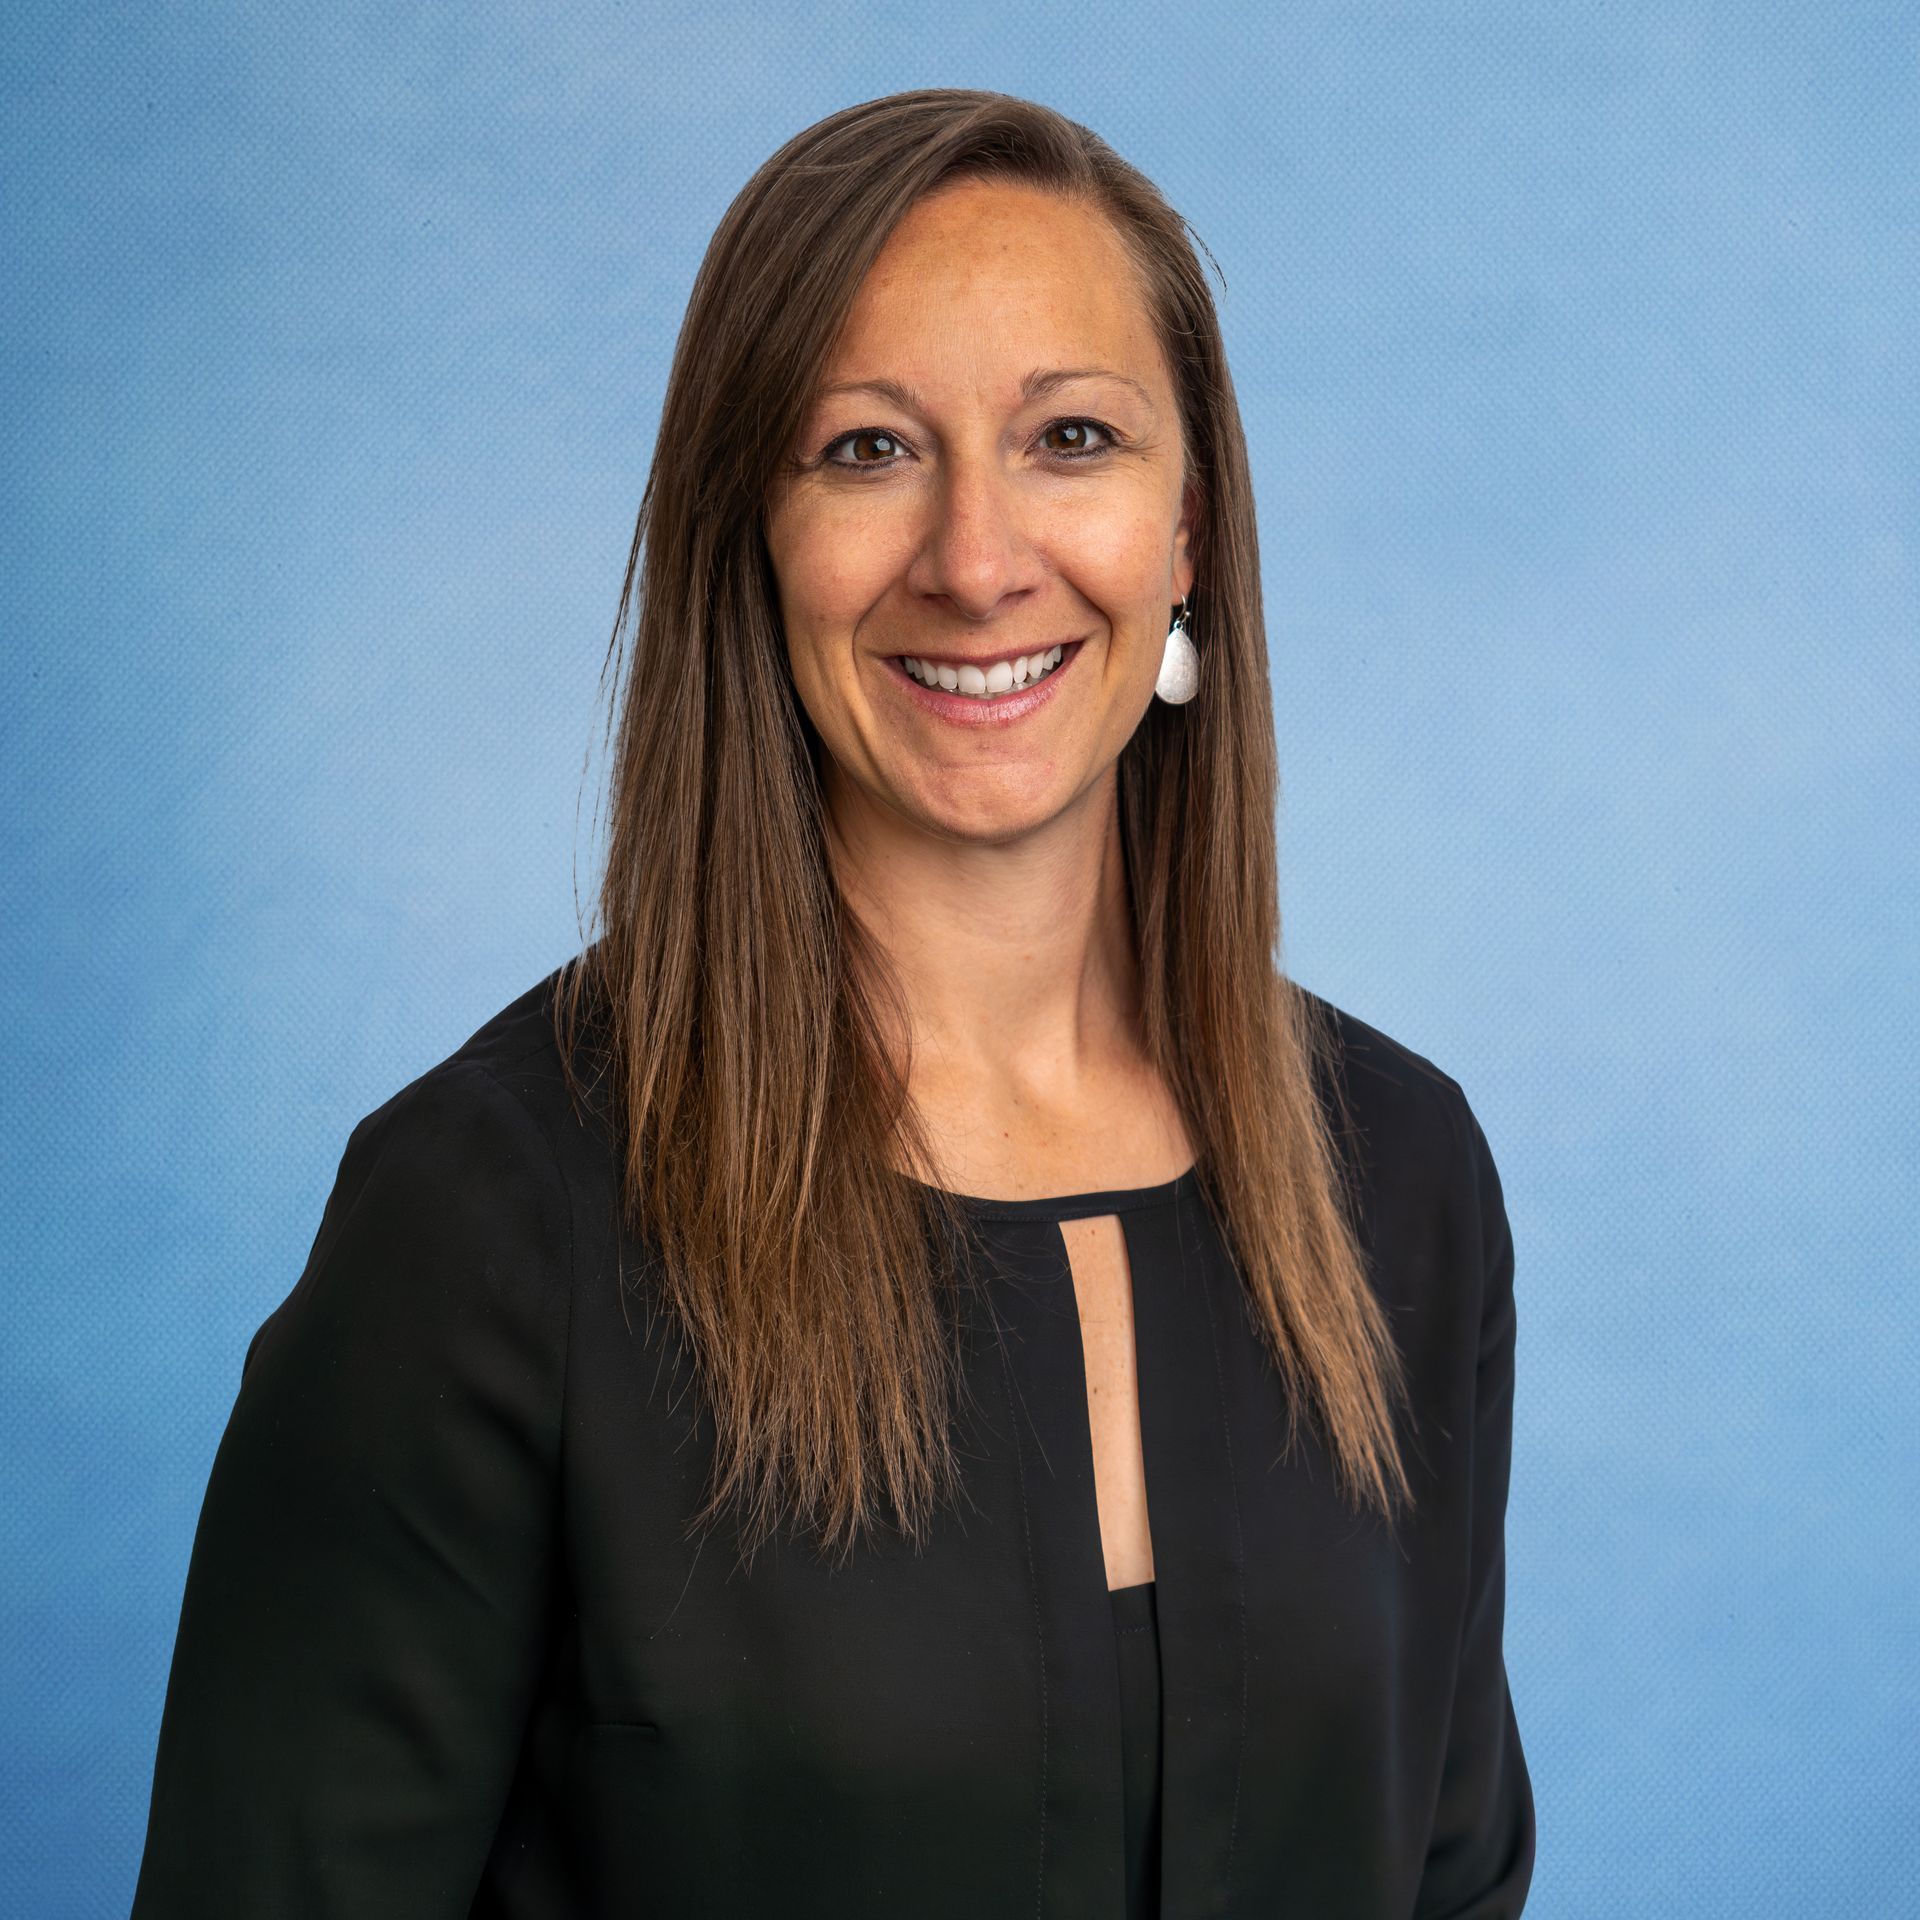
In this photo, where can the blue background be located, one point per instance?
(1577, 350)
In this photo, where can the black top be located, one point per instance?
(1136, 1627)
(448, 1649)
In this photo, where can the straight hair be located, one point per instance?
(762, 1121)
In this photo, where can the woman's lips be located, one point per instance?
(968, 710)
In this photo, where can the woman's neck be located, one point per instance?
(1016, 960)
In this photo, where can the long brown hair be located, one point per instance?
(762, 1121)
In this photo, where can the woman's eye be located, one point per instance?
(886, 443)
(1076, 446)
(1081, 440)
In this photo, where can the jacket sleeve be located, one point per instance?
(368, 1592)
(1481, 1850)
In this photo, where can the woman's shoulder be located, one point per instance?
(1402, 1115)
(505, 1082)
(1428, 1192)
(448, 1236)
(483, 1150)
(1381, 1072)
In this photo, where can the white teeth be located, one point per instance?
(978, 684)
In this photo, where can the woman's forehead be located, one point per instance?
(1015, 298)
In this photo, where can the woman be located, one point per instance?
(918, 1374)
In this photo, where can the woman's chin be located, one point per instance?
(986, 820)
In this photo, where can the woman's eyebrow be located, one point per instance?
(1041, 381)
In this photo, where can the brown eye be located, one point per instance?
(865, 436)
(1076, 445)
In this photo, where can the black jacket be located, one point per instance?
(446, 1651)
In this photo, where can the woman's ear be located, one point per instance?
(1183, 567)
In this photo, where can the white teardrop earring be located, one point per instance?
(1179, 677)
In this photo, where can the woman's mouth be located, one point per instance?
(987, 693)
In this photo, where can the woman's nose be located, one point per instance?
(977, 550)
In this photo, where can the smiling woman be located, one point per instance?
(975, 540)
(1113, 1341)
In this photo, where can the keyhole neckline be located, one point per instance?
(1080, 1206)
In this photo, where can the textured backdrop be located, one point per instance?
(1577, 350)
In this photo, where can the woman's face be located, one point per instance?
(991, 471)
